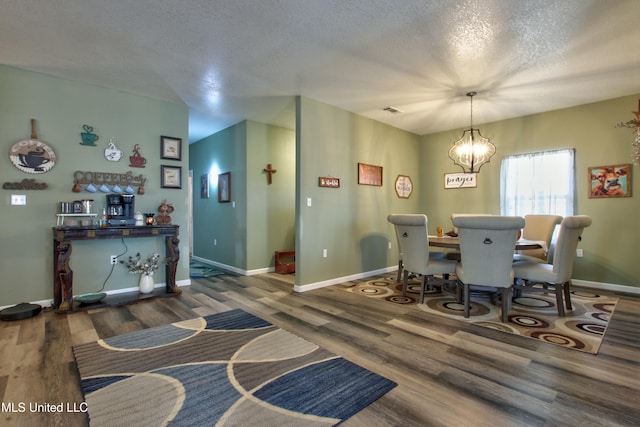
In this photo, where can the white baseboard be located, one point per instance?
(606, 286)
(337, 280)
(49, 302)
(317, 285)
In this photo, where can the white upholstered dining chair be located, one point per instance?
(539, 276)
(539, 228)
(487, 244)
(413, 239)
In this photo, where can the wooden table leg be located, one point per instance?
(173, 256)
(62, 276)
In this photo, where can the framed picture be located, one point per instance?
(170, 176)
(369, 174)
(170, 148)
(609, 181)
(404, 186)
(328, 182)
(460, 180)
(224, 187)
(204, 186)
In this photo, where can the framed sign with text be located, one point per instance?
(329, 182)
(460, 180)
(404, 186)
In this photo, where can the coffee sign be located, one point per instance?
(32, 156)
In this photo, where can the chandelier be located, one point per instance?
(472, 150)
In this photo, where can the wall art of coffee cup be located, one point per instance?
(33, 160)
(112, 153)
(137, 161)
(88, 137)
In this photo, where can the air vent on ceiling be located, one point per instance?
(393, 110)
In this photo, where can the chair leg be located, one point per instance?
(423, 287)
(399, 270)
(459, 292)
(559, 299)
(405, 283)
(467, 304)
(506, 300)
(567, 295)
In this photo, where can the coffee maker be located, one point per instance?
(120, 209)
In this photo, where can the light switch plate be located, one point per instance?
(18, 199)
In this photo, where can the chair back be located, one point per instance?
(539, 227)
(411, 231)
(565, 252)
(454, 215)
(487, 244)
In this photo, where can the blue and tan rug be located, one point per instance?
(532, 315)
(229, 368)
(198, 270)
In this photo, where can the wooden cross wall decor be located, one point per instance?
(270, 170)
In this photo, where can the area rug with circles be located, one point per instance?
(225, 369)
(532, 315)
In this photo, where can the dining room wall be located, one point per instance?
(349, 222)
(608, 244)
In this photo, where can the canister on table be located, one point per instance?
(439, 231)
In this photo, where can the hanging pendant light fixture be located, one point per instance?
(472, 150)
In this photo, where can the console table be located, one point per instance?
(63, 236)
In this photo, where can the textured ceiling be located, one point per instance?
(230, 60)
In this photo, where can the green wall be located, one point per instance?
(61, 108)
(609, 255)
(350, 222)
(262, 220)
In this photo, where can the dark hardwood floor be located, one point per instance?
(449, 373)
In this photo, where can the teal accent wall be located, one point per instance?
(608, 244)
(262, 221)
(349, 222)
(61, 108)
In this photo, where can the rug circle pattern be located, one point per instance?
(531, 315)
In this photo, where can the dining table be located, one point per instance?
(449, 242)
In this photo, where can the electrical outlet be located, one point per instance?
(215, 242)
(324, 253)
(113, 259)
(579, 253)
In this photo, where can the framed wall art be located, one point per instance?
(460, 180)
(404, 186)
(204, 186)
(328, 182)
(224, 187)
(369, 174)
(170, 176)
(609, 181)
(170, 148)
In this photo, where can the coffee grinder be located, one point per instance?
(120, 209)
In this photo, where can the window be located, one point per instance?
(538, 183)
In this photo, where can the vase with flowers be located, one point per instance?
(145, 268)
